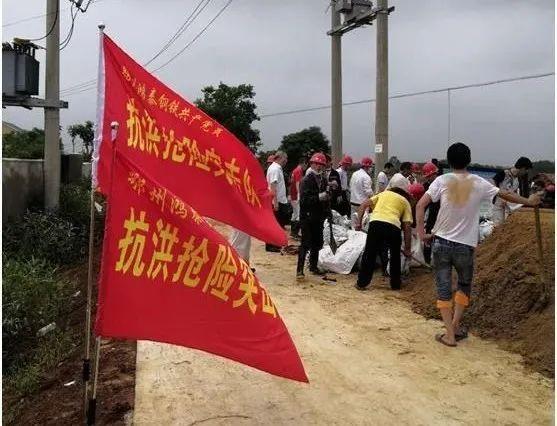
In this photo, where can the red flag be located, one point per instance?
(183, 148)
(168, 276)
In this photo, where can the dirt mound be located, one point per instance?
(508, 293)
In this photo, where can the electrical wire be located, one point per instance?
(68, 38)
(196, 37)
(189, 20)
(53, 24)
(406, 95)
(91, 84)
(9, 24)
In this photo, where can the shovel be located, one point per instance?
(332, 242)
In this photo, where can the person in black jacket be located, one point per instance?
(313, 211)
(333, 178)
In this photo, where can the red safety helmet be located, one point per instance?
(346, 161)
(270, 158)
(416, 168)
(366, 162)
(429, 169)
(318, 158)
(416, 190)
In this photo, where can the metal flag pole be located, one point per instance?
(100, 100)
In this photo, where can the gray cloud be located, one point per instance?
(282, 49)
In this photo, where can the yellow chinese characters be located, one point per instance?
(144, 135)
(163, 240)
(222, 274)
(189, 262)
(132, 245)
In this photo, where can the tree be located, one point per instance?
(25, 144)
(543, 166)
(303, 144)
(87, 134)
(232, 107)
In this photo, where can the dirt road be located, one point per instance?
(369, 358)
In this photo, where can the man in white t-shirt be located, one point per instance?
(384, 176)
(455, 234)
(360, 187)
(277, 186)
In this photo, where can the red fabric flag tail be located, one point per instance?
(168, 276)
(182, 148)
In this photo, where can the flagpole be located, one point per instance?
(98, 138)
(92, 404)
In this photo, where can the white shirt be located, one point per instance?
(275, 176)
(343, 178)
(459, 215)
(398, 178)
(360, 187)
(382, 181)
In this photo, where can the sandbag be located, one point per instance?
(417, 248)
(339, 233)
(486, 228)
(346, 256)
(341, 220)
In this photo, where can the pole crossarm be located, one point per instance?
(29, 102)
(366, 18)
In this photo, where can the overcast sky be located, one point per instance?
(281, 48)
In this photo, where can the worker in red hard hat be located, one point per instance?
(313, 211)
(271, 159)
(344, 166)
(295, 180)
(360, 187)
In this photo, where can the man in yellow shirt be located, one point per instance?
(390, 212)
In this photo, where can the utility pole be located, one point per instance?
(358, 13)
(336, 86)
(382, 89)
(52, 113)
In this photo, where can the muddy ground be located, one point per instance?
(56, 404)
(369, 359)
(508, 293)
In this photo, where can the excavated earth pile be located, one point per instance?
(510, 302)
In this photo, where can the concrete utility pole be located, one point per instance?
(52, 114)
(336, 87)
(382, 89)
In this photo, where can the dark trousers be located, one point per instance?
(312, 242)
(283, 218)
(381, 235)
(427, 247)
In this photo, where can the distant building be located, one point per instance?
(8, 128)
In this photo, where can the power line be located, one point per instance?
(189, 20)
(196, 37)
(406, 95)
(91, 84)
(9, 24)
(53, 24)
(66, 41)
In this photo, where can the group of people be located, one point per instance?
(442, 210)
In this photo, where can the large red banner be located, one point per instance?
(183, 148)
(168, 276)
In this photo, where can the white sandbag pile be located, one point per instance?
(346, 256)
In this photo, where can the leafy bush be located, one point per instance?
(45, 235)
(33, 296)
(25, 144)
